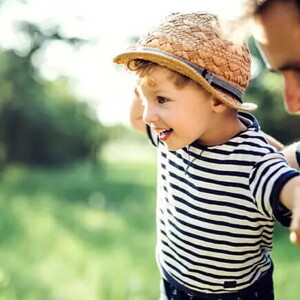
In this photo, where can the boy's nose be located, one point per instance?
(150, 114)
(292, 92)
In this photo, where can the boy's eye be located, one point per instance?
(161, 99)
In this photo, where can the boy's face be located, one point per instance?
(178, 115)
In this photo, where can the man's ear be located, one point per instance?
(218, 106)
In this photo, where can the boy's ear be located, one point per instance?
(218, 106)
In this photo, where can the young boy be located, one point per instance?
(221, 186)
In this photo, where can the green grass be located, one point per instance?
(88, 232)
(286, 259)
(78, 233)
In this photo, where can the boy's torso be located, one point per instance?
(213, 236)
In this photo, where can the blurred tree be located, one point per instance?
(41, 123)
(265, 90)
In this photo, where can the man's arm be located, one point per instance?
(290, 198)
(292, 155)
(273, 142)
(291, 152)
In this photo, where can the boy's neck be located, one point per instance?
(225, 128)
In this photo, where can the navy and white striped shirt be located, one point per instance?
(216, 209)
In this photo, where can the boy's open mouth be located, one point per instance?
(164, 134)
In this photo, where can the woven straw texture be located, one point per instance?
(196, 38)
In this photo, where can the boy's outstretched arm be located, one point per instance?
(290, 198)
(136, 114)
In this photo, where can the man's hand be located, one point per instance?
(290, 197)
(136, 114)
(295, 225)
(294, 238)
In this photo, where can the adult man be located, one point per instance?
(276, 29)
(277, 32)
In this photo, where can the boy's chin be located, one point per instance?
(174, 147)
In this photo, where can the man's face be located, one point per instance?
(277, 32)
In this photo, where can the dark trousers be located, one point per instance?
(261, 290)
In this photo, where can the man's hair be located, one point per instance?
(257, 7)
(144, 67)
(239, 27)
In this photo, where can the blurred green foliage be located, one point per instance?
(78, 233)
(42, 123)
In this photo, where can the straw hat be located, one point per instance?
(191, 44)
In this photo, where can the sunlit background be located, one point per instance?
(77, 185)
(107, 28)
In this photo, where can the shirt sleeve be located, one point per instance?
(267, 178)
(152, 136)
(298, 153)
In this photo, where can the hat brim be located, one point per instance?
(180, 66)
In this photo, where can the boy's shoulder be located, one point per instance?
(253, 140)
